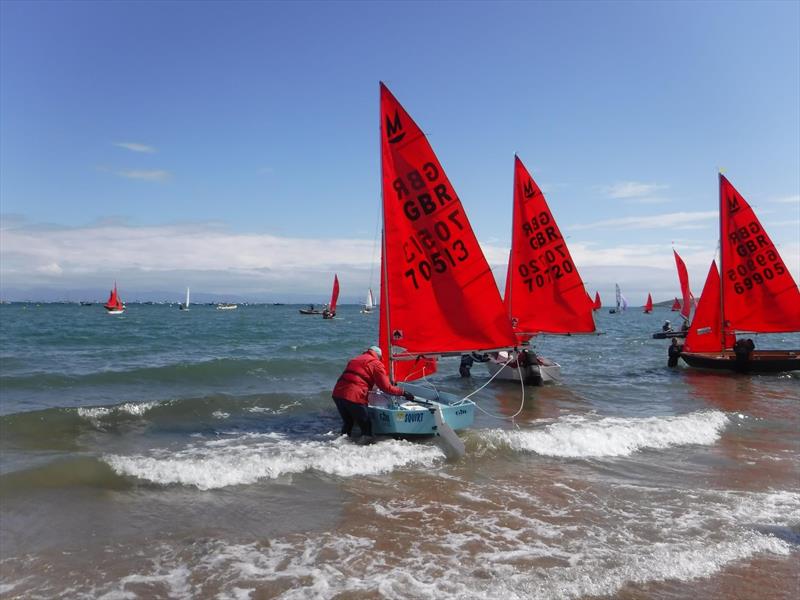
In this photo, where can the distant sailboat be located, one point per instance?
(756, 293)
(676, 306)
(369, 303)
(622, 302)
(597, 305)
(227, 306)
(114, 306)
(330, 312)
(185, 305)
(648, 306)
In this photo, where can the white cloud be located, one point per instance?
(677, 220)
(627, 190)
(146, 175)
(134, 147)
(788, 199)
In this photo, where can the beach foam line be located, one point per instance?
(247, 459)
(587, 437)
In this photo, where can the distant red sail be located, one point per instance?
(676, 306)
(544, 292)
(683, 276)
(441, 296)
(648, 307)
(759, 292)
(334, 294)
(706, 332)
(597, 305)
(113, 300)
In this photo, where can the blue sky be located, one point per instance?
(234, 146)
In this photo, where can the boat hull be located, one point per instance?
(760, 361)
(305, 311)
(115, 311)
(393, 415)
(548, 371)
(663, 335)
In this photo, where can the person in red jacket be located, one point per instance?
(351, 390)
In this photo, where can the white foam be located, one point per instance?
(247, 459)
(218, 414)
(137, 409)
(584, 437)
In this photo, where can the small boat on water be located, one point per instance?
(330, 312)
(597, 304)
(544, 292)
(227, 306)
(114, 306)
(438, 301)
(622, 302)
(757, 294)
(685, 308)
(310, 310)
(676, 306)
(369, 304)
(185, 305)
(648, 306)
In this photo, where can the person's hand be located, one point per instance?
(408, 396)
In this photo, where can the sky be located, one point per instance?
(233, 147)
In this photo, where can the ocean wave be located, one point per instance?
(587, 437)
(253, 457)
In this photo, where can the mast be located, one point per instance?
(384, 269)
(721, 270)
(510, 272)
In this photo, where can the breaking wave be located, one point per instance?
(585, 437)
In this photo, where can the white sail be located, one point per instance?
(619, 296)
(187, 297)
(370, 303)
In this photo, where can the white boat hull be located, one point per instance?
(547, 371)
(116, 311)
(233, 307)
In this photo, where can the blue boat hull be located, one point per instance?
(393, 415)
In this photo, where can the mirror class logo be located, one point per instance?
(527, 189)
(733, 204)
(394, 129)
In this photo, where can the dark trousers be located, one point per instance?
(351, 414)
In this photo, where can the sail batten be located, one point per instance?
(438, 294)
(544, 291)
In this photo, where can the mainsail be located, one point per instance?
(648, 306)
(438, 294)
(114, 302)
(759, 293)
(676, 306)
(334, 294)
(597, 304)
(544, 292)
(683, 276)
(370, 301)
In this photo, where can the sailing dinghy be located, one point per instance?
(369, 303)
(185, 305)
(114, 306)
(330, 312)
(597, 304)
(648, 306)
(755, 293)
(438, 296)
(544, 292)
(685, 308)
(622, 302)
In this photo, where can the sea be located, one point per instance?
(170, 454)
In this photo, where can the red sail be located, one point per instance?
(442, 296)
(648, 307)
(683, 276)
(334, 294)
(545, 293)
(758, 291)
(113, 299)
(399, 370)
(597, 305)
(676, 306)
(705, 333)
